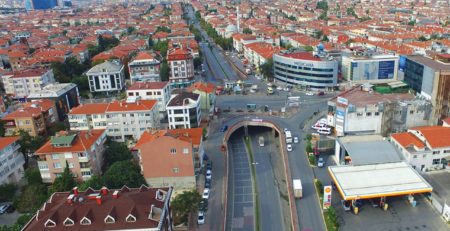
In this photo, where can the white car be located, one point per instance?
(309, 93)
(295, 139)
(286, 89)
(289, 148)
(3, 208)
(320, 162)
(279, 88)
(285, 130)
(205, 194)
(208, 174)
(201, 218)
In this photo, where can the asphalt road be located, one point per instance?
(266, 183)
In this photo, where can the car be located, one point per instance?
(279, 88)
(207, 184)
(295, 139)
(201, 218)
(205, 194)
(320, 162)
(4, 208)
(286, 89)
(347, 205)
(285, 130)
(289, 148)
(321, 93)
(209, 165)
(203, 205)
(309, 93)
(208, 174)
(224, 128)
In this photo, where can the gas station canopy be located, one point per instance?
(377, 180)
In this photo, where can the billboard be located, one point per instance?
(373, 70)
(326, 197)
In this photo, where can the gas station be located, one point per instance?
(378, 181)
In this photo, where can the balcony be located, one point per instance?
(83, 159)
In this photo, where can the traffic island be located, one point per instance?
(248, 146)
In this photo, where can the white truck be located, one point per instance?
(298, 190)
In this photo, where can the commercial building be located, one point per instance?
(144, 68)
(183, 110)
(159, 91)
(306, 70)
(181, 64)
(430, 78)
(370, 68)
(33, 117)
(44, 4)
(23, 83)
(106, 209)
(171, 157)
(82, 151)
(362, 110)
(122, 119)
(425, 148)
(11, 160)
(107, 77)
(65, 96)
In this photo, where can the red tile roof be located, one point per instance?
(23, 113)
(5, 141)
(301, 55)
(143, 56)
(148, 85)
(203, 87)
(178, 54)
(82, 142)
(92, 108)
(436, 136)
(139, 105)
(193, 135)
(30, 73)
(406, 139)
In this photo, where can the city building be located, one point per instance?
(370, 68)
(44, 4)
(65, 96)
(159, 91)
(107, 77)
(33, 117)
(259, 52)
(11, 160)
(123, 119)
(430, 79)
(183, 110)
(171, 157)
(106, 209)
(362, 110)
(81, 150)
(305, 70)
(144, 68)
(23, 83)
(181, 64)
(425, 148)
(207, 92)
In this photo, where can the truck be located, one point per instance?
(288, 137)
(298, 189)
(261, 141)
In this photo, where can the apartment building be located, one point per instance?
(159, 91)
(33, 117)
(11, 160)
(207, 92)
(106, 209)
(23, 83)
(362, 110)
(144, 68)
(171, 157)
(107, 77)
(124, 120)
(81, 150)
(425, 148)
(259, 52)
(183, 110)
(181, 64)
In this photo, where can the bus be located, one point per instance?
(288, 137)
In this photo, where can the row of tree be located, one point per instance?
(225, 43)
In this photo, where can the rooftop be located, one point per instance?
(79, 142)
(6, 141)
(301, 56)
(30, 73)
(433, 64)
(436, 136)
(148, 85)
(107, 66)
(360, 98)
(180, 99)
(193, 135)
(92, 108)
(389, 179)
(53, 90)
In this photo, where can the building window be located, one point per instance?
(173, 150)
(68, 155)
(55, 156)
(86, 173)
(175, 170)
(377, 113)
(436, 161)
(446, 151)
(369, 114)
(56, 165)
(436, 152)
(70, 165)
(185, 150)
(359, 114)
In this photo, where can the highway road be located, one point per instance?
(269, 196)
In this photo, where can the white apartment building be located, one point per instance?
(425, 148)
(144, 68)
(11, 160)
(24, 83)
(181, 64)
(159, 91)
(106, 77)
(183, 111)
(122, 119)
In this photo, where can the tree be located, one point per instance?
(64, 182)
(247, 31)
(325, 38)
(115, 152)
(82, 82)
(164, 71)
(197, 15)
(422, 38)
(292, 18)
(322, 5)
(267, 69)
(65, 72)
(123, 173)
(162, 47)
(31, 199)
(64, 32)
(95, 182)
(2, 128)
(33, 176)
(150, 42)
(131, 29)
(308, 48)
(350, 41)
(183, 204)
(58, 126)
(7, 192)
(318, 34)
(163, 29)
(197, 62)
(29, 144)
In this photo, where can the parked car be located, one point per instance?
(289, 148)
(207, 184)
(279, 88)
(295, 139)
(201, 218)
(203, 205)
(208, 174)
(224, 128)
(321, 93)
(209, 165)
(309, 93)
(4, 208)
(347, 205)
(205, 194)
(320, 162)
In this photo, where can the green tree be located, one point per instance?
(292, 18)
(183, 204)
(164, 71)
(197, 62)
(95, 182)
(7, 192)
(82, 82)
(267, 69)
(64, 182)
(422, 38)
(322, 5)
(308, 48)
(106, 43)
(163, 29)
(64, 32)
(131, 29)
(33, 176)
(162, 47)
(318, 34)
(350, 41)
(115, 152)
(31, 199)
(197, 15)
(77, 24)
(58, 126)
(351, 11)
(123, 173)
(325, 38)
(2, 128)
(29, 144)
(150, 42)
(247, 31)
